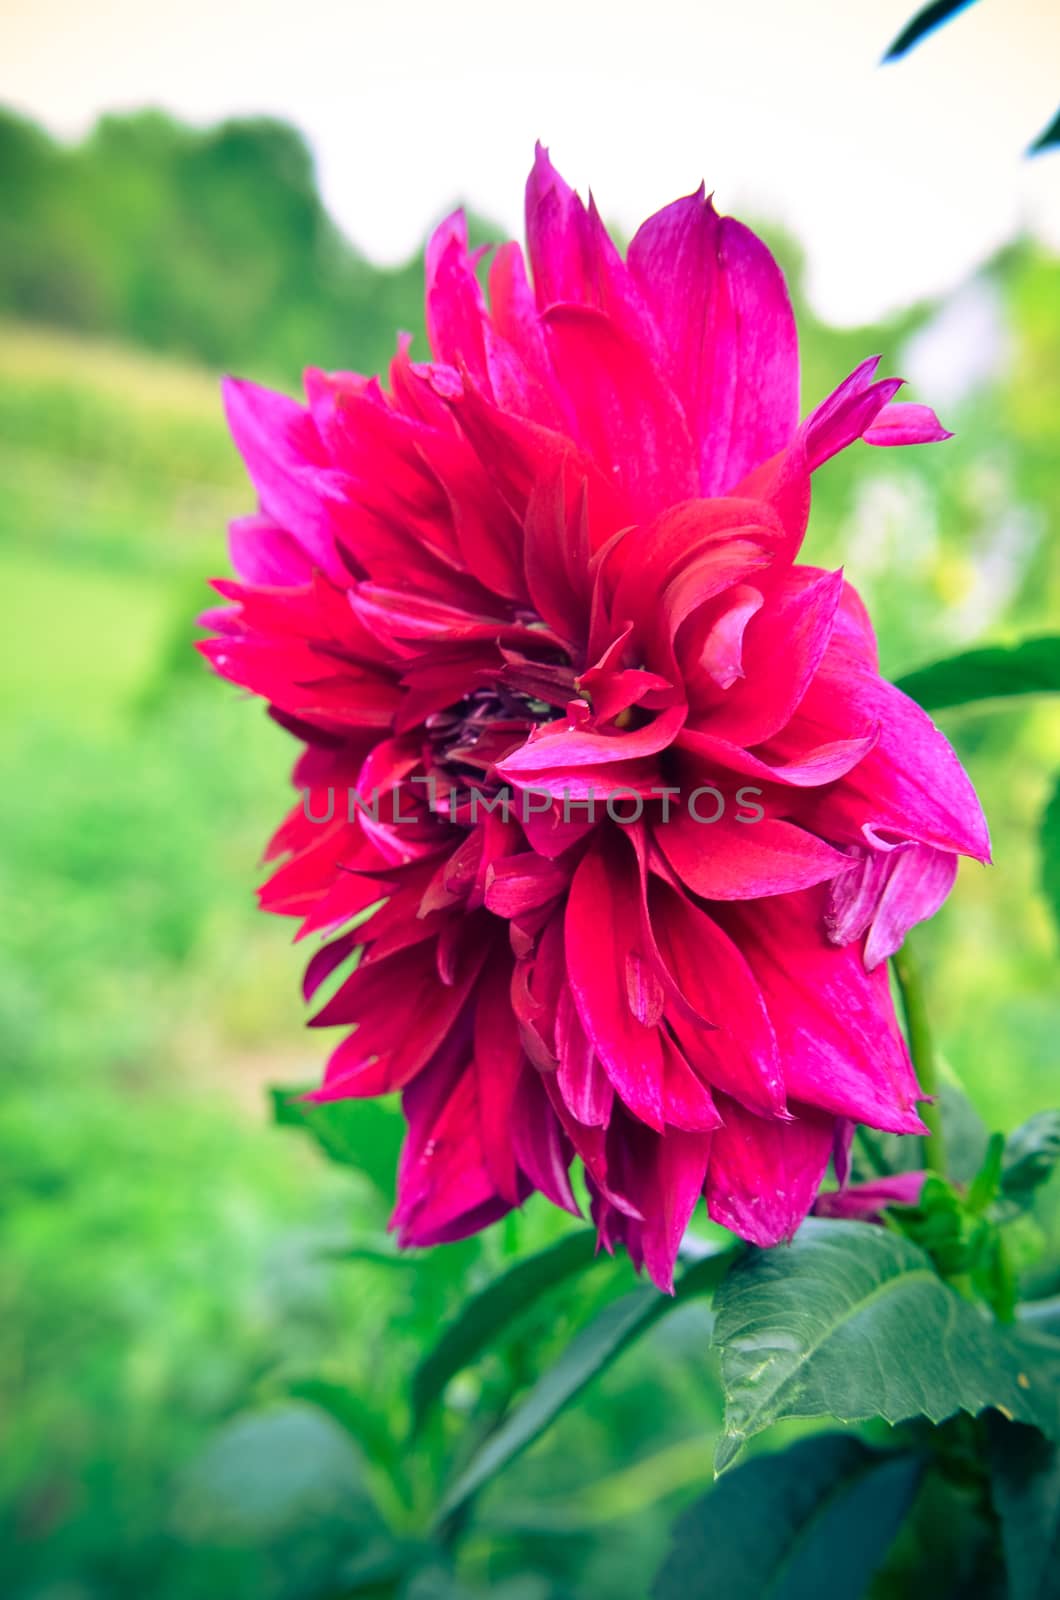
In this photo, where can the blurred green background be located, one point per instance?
(170, 1258)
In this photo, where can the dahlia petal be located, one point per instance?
(868, 1201)
(403, 1015)
(663, 1175)
(910, 785)
(846, 413)
(499, 1064)
(262, 553)
(764, 1174)
(519, 452)
(904, 422)
(793, 628)
(722, 308)
(583, 1083)
(556, 554)
(649, 557)
(835, 1023)
(444, 1188)
(561, 746)
(733, 860)
(515, 884)
(889, 892)
(815, 767)
(282, 452)
(455, 310)
(720, 655)
(687, 1102)
(842, 1142)
(680, 1169)
(554, 234)
(602, 931)
(574, 258)
(328, 959)
(739, 1053)
(541, 1146)
(514, 314)
(628, 417)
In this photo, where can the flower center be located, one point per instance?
(465, 740)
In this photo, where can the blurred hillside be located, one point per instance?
(206, 244)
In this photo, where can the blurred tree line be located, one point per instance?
(211, 244)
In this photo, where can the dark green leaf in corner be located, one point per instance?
(816, 1519)
(995, 672)
(1025, 1485)
(591, 1350)
(486, 1315)
(852, 1322)
(923, 23)
(1048, 139)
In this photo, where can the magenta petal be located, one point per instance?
(782, 650)
(764, 1174)
(732, 860)
(560, 746)
(499, 1063)
(721, 653)
(910, 785)
(868, 1201)
(454, 305)
(583, 1083)
(665, 1181)
(627, 416)
(602, 932)
(282, 452)
(542, 1148)
(739, 1053)
(516, 884)
(904, 422)
(263, 554)
(444, 1189)
(687, 1102)
(814, 767)
(888, 893)
(722, 308)
(835, 1023)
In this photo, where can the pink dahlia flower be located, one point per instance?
(600, 782)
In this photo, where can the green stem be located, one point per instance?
(922, 1050)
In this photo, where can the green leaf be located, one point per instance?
(816, 1519)
(591, 1350)
(964, 1132)
(984, 1187)
(487, 1314)
(1049, 137)
(279, 1497)
(1025, 1484)
(1050, 853)
(363, 1134)
(1031, 1155)
(996, 671)
(852, 1322)
(923, 23)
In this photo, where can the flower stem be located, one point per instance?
(922, 1050)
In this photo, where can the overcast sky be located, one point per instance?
(898, 180)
